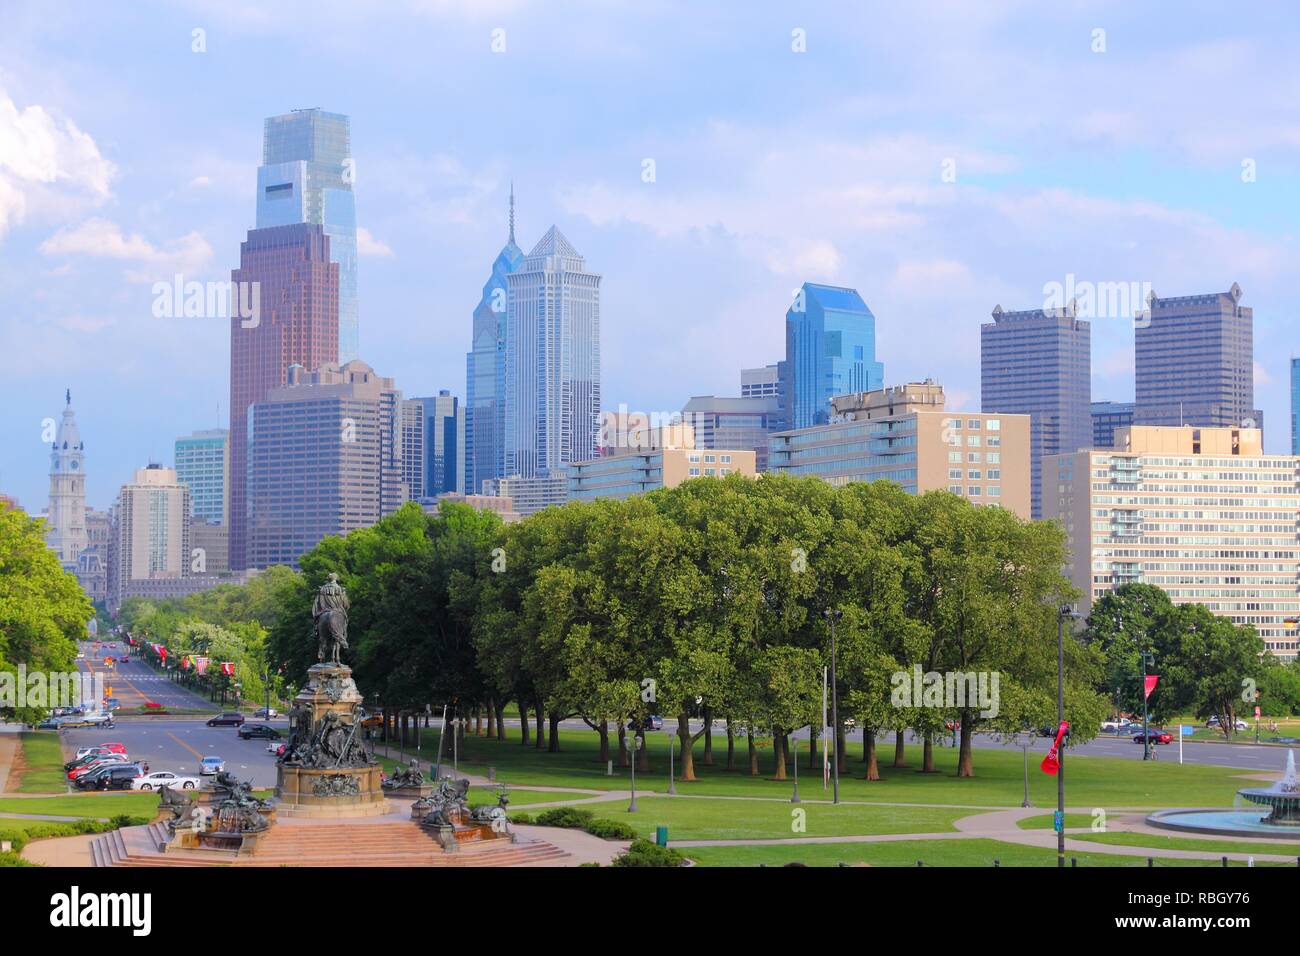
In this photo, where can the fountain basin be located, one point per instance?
(1284, 807)
(1248, 823)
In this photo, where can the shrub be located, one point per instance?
(569, 817)
(648, 853)
(520, 818)
(611, 829)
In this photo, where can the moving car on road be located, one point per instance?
(276, 748)
(265, 713)
(650, 722)
(211, 765)
(165, 778)
(227, 720)
(249, 731)
(1155, 736)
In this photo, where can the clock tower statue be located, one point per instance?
(66, 532)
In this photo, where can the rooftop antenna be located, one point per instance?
(512, 210)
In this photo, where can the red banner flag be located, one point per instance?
(162, 653)
(228, 668)
(1052, 762)
(1151, 681)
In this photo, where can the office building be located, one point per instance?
(746, 422)
(762, 382)
(905, 434)
(324, 458)
(1039, 363)
(552, 361)
(1202, 513)
(484, 410)
(296, 325)
(306, 176)
(1195, 362)
(150, 536)
(500, 505)
(444, 437)
(663, 458)
(830, 349)
(1106, 417)
(413, 429)
(203, 463)
(529, 495)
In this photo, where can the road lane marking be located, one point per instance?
(185, 745)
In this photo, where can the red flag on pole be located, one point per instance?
(1052, 762)
(1151, 681)
(228, 668)
(162, 653)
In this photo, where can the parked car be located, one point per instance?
(266, 713)
(114, 747)
(1155, 736)
(211, 765)
(1214, 723)
(227, 720)
(650, 722)
(85, 756)
(93, 765)
(165, 778)
(249, 731)
(1115, 725)
(371, 719)
(120, 777)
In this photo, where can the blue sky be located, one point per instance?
(125, 158)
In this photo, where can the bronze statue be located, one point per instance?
(330, 612)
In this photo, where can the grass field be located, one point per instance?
(907, 852)
(92, 805)
(721, 819)
(1092, 781)
(1190, 843)
(41, 769)
(1072, 821)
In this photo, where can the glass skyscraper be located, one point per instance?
(552, 361)
(830, 349)
(483, 454)
(1295, 406)
(203, 465)
(444, 427)
(306, 175)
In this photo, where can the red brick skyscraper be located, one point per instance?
(297, 323)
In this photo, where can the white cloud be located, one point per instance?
(47, 165)
(368, 245)
(100, 238)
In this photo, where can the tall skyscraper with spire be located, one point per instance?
(66, 534)
(306, 175)
(484, 451)
(552, 361)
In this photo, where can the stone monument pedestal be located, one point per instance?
(325, 770)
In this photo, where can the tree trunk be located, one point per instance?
(642, 754)
(686, 771)
(478, 721)
(622, 745)
(965, 763)
(813, 734)
(753, 751)
(869, 754)
(841, 744)
(541, 727)
(603, 729)
(707, 759)
(555, 732)
(927, 758)
(500, 708)
(779, 751)
(491, 718)
(523, 723)
(731, 746)
(900, 755)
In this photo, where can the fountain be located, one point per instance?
(1279, 820)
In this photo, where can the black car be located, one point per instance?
(114, 777)
(227, 720)
(249, 731)
(1051, 732)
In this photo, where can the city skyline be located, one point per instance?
(131, 202)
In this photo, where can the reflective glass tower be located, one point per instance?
(830, 349)
(306, 175)
(483, 453)
(552, 361)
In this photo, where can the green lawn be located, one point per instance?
(1190, 843)
(91, 805)
(1072, 821)
(1091, 781)
(479, 796)
(43, 763)
(695, 819)
(906, 853)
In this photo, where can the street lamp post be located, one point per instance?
(833, 615)
(1025, 738)
(672, 787)
(1146, 710)
(633, 744)
(1063, 614)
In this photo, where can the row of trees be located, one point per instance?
(708, 602)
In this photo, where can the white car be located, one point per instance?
(1115, 726)
(275, 747)
(165, 778)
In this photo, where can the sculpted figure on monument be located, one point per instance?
(330, 613)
